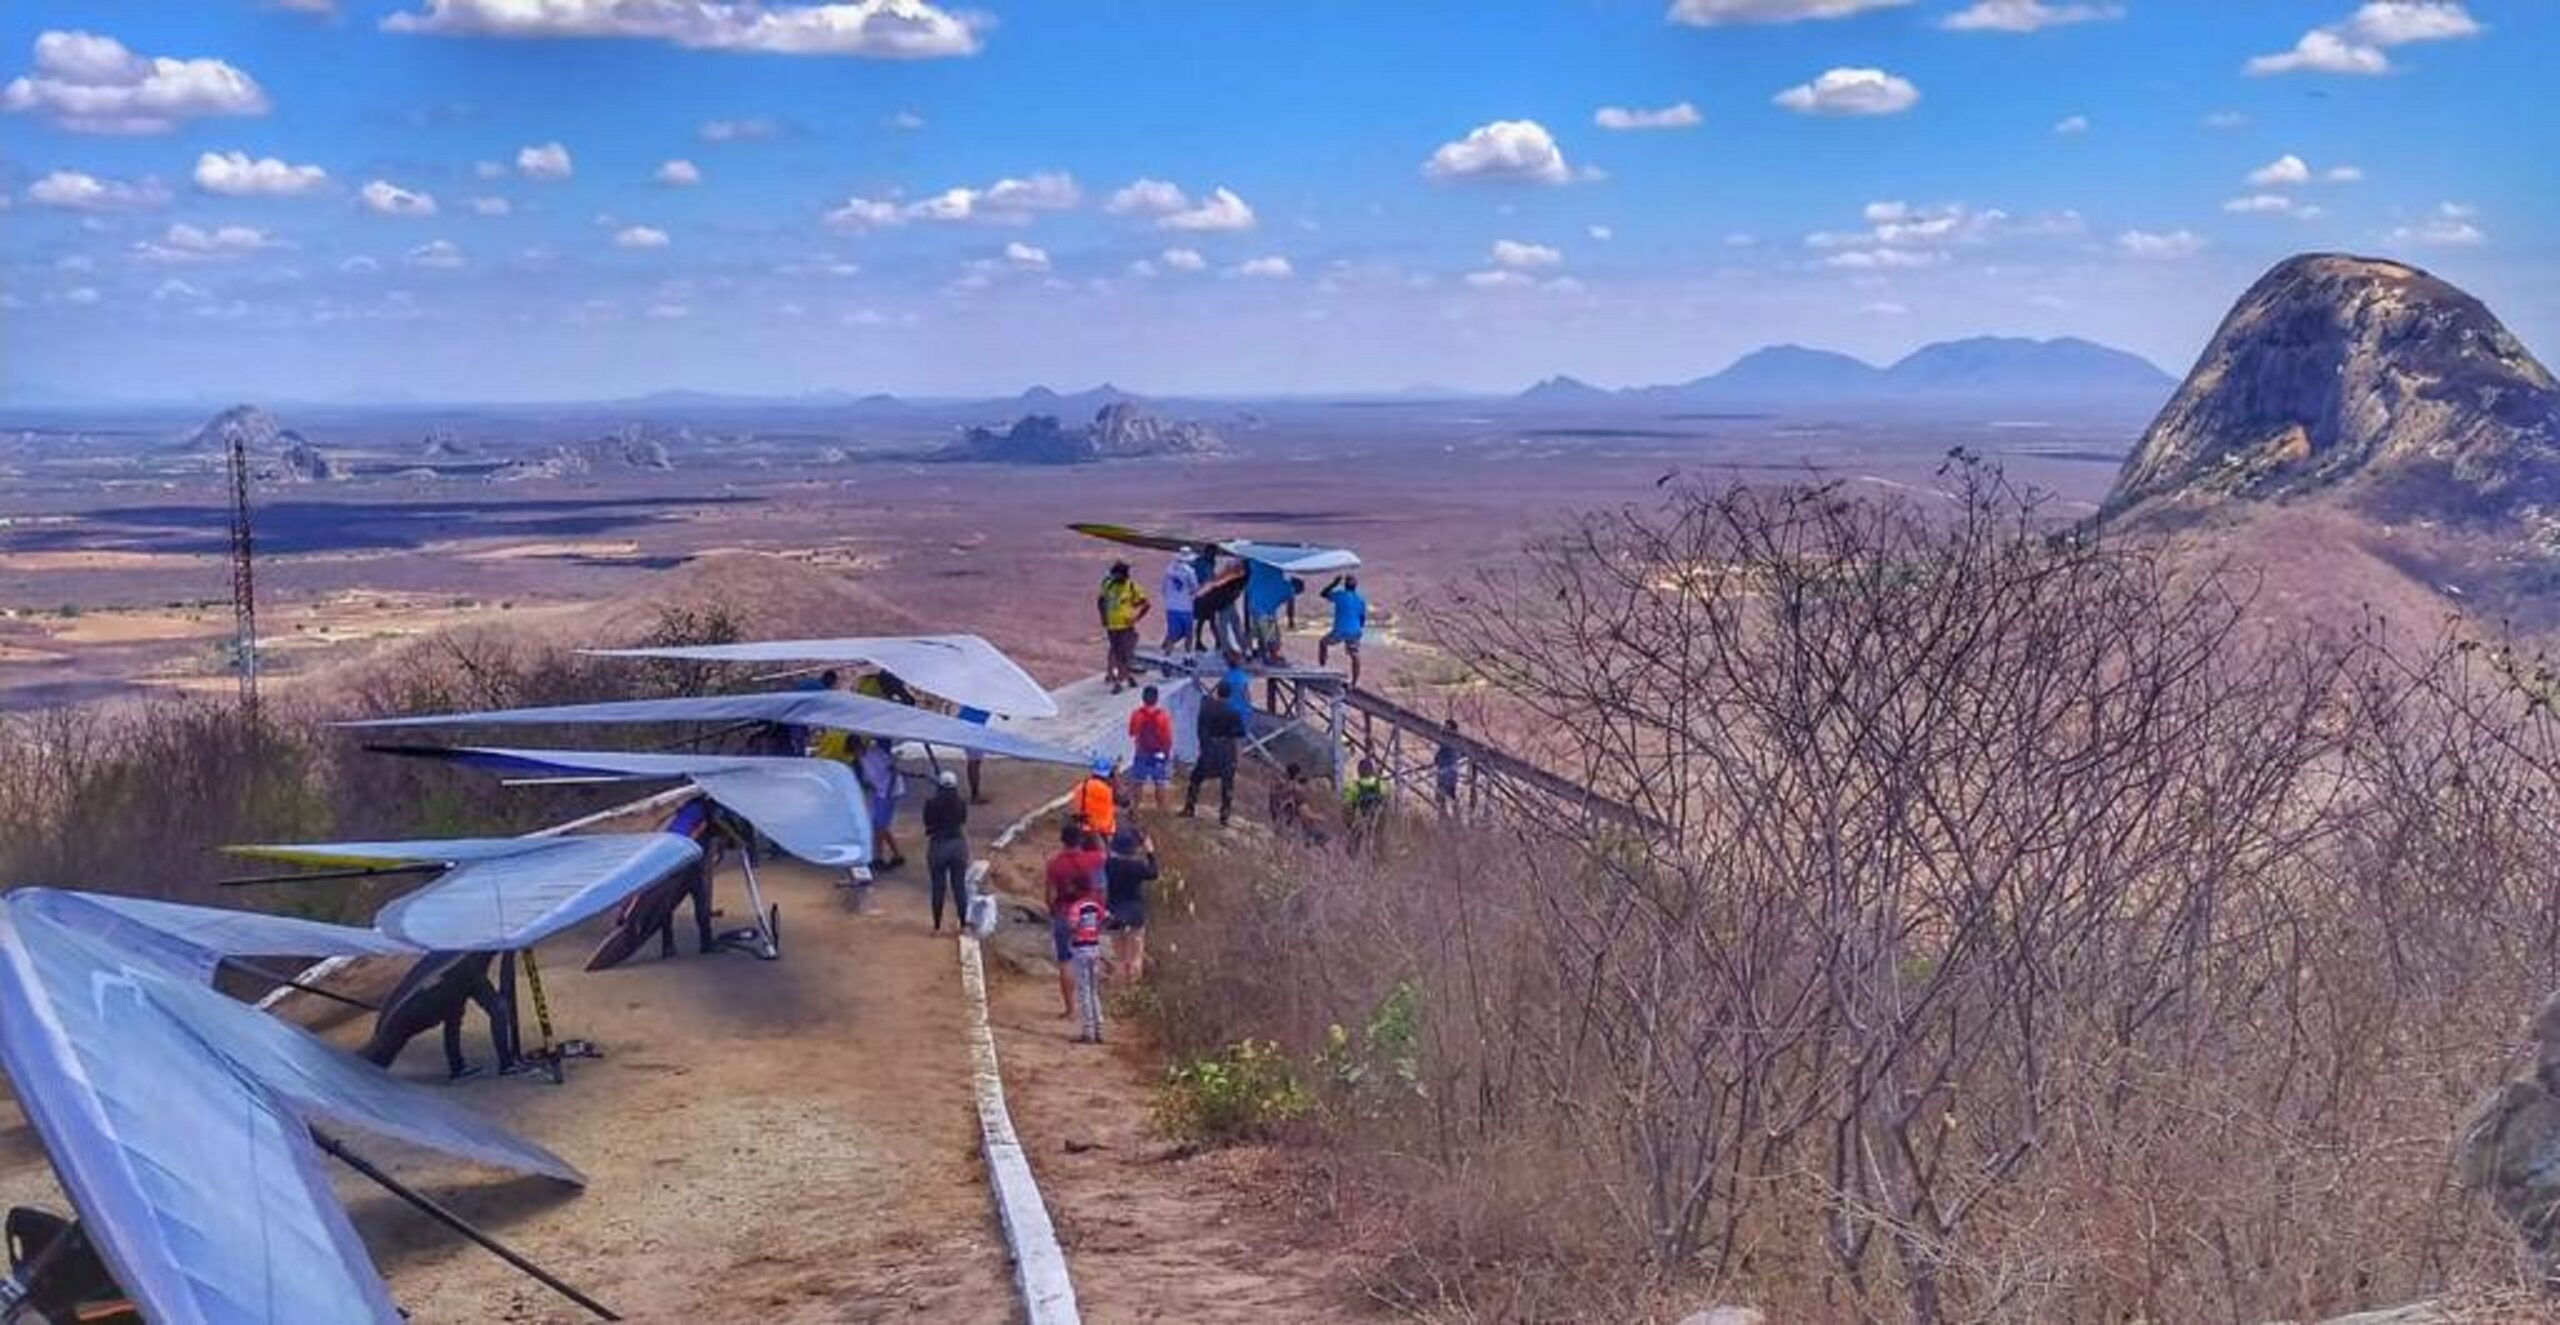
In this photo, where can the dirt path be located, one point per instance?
(1151, 1233)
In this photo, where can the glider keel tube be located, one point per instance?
(500, 894)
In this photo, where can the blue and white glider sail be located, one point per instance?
(501, 893)
(195, 939)
(1295, 558)
(812, 808)
(179, 1120)
(961, 668)
(802, 708)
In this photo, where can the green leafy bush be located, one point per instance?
(1242, 1091)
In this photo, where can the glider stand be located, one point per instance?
(55, 1274)
(763, 939)
(553, 1057)
(458, 1224)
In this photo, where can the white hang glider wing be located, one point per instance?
(501, 893)
(961, 668)
(812, 808)
(195, 939)
(179, 1120)
(803, 708)
(1295, 558)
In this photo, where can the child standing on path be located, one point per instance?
(1085, 919)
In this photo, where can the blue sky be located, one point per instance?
(230, 198)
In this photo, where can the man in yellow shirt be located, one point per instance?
(1122, 605)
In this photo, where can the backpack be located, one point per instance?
(1084, 924)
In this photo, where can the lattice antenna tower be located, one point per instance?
(244, 583)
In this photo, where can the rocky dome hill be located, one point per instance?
(1120, 430)
(2366, 379)
(276, 454)
(2365, 434)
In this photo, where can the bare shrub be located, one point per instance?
(2027, 935)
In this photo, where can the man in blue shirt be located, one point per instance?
(1238, 687)
(1350, 620)
(1266, 590)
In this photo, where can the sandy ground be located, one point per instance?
(794, 1141)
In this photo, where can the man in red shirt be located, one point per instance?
(1151, 733)
(1072, 874)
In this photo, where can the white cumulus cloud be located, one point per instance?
(1517, 256)
(738, 131)
(384, 198)
(2025, 15)
(1147, 197)
(1886, 259)
(1711, 13)
(1498, 279)
(1263, 269)
(2259, 204)
(640, 236)
(2343, 175)
(1221, 210)
(1851, 92)
(87, 83)
(2284, 170)
(82, 192)
(492, 207)
(2071, 125)
(2159, 245)
(1029, 257)
(191, 243)
(875, 29)
(678, 173)
(1626, 119)
(436, 255)
(1600, 232)
(2449, 227)
(1183, 259)
(544, 161)
(859, 214)
(235, 174)
(1006, 202)
(1504, 151)
(2360, 45)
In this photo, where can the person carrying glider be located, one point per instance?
(1151, 738)
(1267, 590)
(438, 990)
(1122, 605)
(1350, 621)
(1218, 604)
(696, 821)
(1221, 729)
(1181, 590)
(946, 848)
(1096, 801)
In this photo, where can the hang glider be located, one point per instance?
(1295, 558)
(812, 808)
(961, 668)
(500, 894)
(180, 1121)
(803, 708)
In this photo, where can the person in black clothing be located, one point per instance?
(1126, 874)
(440, 988)
(1220, 729)
(946, 851)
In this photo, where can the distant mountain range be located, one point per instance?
(1982, 370)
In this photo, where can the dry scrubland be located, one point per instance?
(2029, 933)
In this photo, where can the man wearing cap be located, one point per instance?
(946, 851)
(1122, 605)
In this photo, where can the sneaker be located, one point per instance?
(464, 1073)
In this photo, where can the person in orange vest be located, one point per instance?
(1096, 801)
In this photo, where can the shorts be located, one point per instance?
(884, 812)
(1152, 770)
(1177, 626)
(1350, 643)
(1128, 917)
(1263, 632)
(1061, 939)
(1124, 646)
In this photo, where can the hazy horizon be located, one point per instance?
(392, 201)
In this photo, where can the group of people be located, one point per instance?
(1246, 610)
